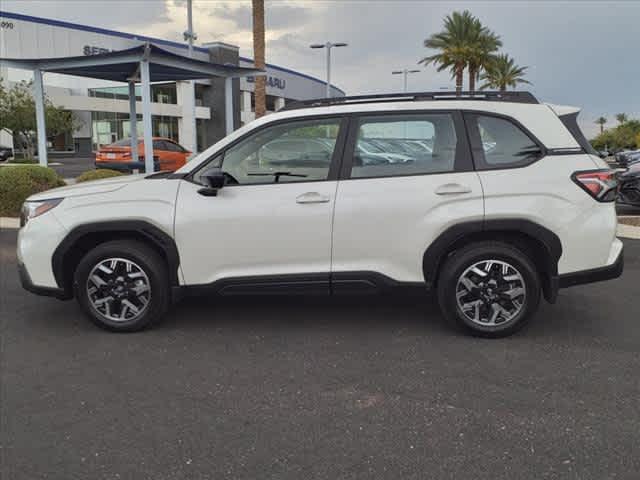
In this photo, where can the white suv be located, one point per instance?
(509, 203)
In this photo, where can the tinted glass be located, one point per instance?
(504, 143)
(292, 152)
(411, 144)
(158, 145)
(172, 147)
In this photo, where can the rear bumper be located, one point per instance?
(28, 285)
(127, 166)
(608, 272)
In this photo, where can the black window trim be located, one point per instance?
(336, 158)
(463, 160)
(477, 150)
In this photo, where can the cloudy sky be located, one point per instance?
(581, 53)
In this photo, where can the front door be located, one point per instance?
(271, 222)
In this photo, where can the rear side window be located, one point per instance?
(500, 143)
(571, 122)
(411, 144)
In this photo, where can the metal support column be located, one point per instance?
(133, 121)
(41, 126)
(228, 104)
(146, 115)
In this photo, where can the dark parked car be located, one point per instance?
(625, 157)
(5, 153)
(629, 181)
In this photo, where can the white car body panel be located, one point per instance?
(249, 230)
(152, 201)
(385, 225)
(544, 193)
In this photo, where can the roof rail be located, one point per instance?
(515, 97)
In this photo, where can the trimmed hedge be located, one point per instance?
(18, 183)
(98, 174)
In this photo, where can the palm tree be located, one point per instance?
(622, 118)
(502, 73)
(259, 91)
(601, 121)
(481, 52)
(453, 45)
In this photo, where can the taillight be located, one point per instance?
(600, 184)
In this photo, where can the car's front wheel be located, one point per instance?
(490, 289)
(122, 286)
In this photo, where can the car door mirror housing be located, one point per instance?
(214, 180)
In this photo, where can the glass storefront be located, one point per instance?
(109, 127)
(160, 93)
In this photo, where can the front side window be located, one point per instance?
(411, 144)
(503, 143)
(289, 152)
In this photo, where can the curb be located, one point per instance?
(9, 222)
(628, 231)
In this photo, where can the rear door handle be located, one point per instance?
(312, 197)
(452, 189)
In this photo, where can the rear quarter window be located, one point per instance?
(500, 143)
(571, 122)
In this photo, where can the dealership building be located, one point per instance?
(102, 107)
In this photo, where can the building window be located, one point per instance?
(270, 102)
(109, 127)
(160, 93)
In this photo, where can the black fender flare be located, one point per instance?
(437, 252)
(141, 228)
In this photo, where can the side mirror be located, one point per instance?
(215, 180)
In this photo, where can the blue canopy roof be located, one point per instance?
(123, 65)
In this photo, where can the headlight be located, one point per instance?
(35, 209)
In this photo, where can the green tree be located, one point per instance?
(621, 118)
(601, 121)
(622, 136)
(481, 54)
(502, 73)
(453, 45)
(18, 115)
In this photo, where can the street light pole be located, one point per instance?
(190, 36)
(328, 46)
(405, 72)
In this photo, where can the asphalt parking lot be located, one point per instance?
(355, 388)
(71, 167)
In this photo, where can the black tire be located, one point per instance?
(460, 261)
(143, 257)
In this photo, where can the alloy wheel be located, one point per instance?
(491, 293)
(119, 289)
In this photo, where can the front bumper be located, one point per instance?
(601, 274)
(28, 285)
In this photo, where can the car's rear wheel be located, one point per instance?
(122, 286)
(489, 289)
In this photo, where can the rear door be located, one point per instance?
(392, 204)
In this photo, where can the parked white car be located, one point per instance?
(491, 230)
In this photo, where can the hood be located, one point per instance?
(88, 188)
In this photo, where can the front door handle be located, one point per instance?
(452, 189)
(312, 197)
